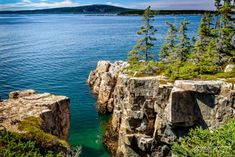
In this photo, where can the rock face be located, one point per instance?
(102, 82)
(53, 110)
(149, 116)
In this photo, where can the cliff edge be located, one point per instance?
(149, 113)
(51, 109)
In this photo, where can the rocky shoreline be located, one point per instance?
(54, 111)
(149, 113)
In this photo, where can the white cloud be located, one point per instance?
(166, 4)
(26, 1)
(170, 4)
(28, 4)
(116, 4)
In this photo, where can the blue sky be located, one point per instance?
(156, 4)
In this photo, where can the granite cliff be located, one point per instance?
(149, 114)
(52, 110)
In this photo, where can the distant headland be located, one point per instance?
(101, 9)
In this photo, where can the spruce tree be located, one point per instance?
(184, 46)
(227, 13)
(204, 34)
(218, 6)
(142, 50)
(168, 47)
(225, 48)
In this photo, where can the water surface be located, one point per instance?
(55, 53)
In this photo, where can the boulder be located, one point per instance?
(229, 68)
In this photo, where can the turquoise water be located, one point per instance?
(55, 53)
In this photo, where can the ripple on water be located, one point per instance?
(55, 53)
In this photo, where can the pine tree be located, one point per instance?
(142, 50)
(168, 47)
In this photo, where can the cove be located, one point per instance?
(55, 53)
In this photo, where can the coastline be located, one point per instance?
(146, 111)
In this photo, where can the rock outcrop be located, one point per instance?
(53, 110)
(102, 82)
(150, 114)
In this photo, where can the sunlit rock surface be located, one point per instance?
(102, 82)
(53, 110)
(149, 114)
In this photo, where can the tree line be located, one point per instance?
(183, 57)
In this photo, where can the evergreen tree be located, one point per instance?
(184, 46)
(225, 48)
(227, 13)
(142, 50)
(204, 34)
(218, 6)
(168, 47)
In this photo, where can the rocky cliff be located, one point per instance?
(149, 114)
(102, 82)
(53, 110)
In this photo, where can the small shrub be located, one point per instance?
(15, 145)
(204, 143)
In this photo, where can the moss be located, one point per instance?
(232, 80)
(226, 75)
(164, 81)
(142, 69)
(179, 70)
(31, 128)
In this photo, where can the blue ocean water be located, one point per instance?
(55, 53)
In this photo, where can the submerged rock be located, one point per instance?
(53, 110)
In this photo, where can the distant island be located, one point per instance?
(101, 9)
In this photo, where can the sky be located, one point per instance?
(138, 4)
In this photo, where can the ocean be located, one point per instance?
(55, 53)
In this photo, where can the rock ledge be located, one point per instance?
(53, 110)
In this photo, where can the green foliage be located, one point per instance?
(34, 142)
(184, 46)
(31, 127)
(142, 50)
(185, 58)
(168, 47)
(15, 145)
(204, 143)
(177, 44)
(226, 75)
(139, 69)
